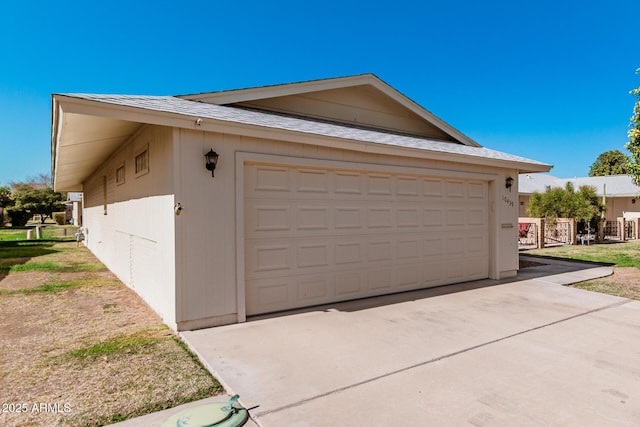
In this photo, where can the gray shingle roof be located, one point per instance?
(616, 185)
(171, 104)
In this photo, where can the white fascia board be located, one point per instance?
(56, 126)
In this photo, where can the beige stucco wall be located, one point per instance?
(506, 211)
(618, 205)
(207, 261)
(135, 239)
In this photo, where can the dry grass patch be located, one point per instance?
(623, 256)
(624, 282)
(89, 347)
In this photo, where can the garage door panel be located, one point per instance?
(271, 257)
(348, 217)
(314, 289)
(328, 235)
(433, 274)
(477, 244)
(268, 258)
(268, 179)
(455, 246)
(349, 284)
(432, 187)
(379, 217)
(433, 246)
(433, 217)
(379, 185)
(408, 186)
(453, 271)
(408, 249)
(409, 277)
(477, 216)
(349, 252)
(476, 190)
(456, 217)
(312, 181)
(380, 250)
(455, 189)
(271, 295)
(313, 255)
(380, 280)
(476, 268)
(407, 217)
(348, 183)
(311, 217)
(267, 217)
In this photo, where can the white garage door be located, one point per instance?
(314, 236)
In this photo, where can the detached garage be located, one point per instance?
(323, 191)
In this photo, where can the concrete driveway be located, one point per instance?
(489, 353)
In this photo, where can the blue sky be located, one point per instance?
(548, 80)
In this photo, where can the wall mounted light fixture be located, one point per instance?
(508, 183)
(212, 161)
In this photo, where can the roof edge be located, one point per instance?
(251, 93)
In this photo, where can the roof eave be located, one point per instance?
(56, 117)
(66, 103)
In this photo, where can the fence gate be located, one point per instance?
(558, 233)
(534, 233)
(527, 234)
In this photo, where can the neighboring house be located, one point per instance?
(75, 199)
(620, 191)
(324, 191)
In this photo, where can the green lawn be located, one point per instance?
(49, 232)
(624, 254)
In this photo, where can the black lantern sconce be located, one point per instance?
(508, 183)
(212, 161)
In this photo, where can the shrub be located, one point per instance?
(60, 218)
(18, 217)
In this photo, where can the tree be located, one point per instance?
(5, 197)
(42, 180)
(613, 162)
(555, 203)
(634, 138)
(6, 201)
(37, 201)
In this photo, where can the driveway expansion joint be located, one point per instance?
(439, 358)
